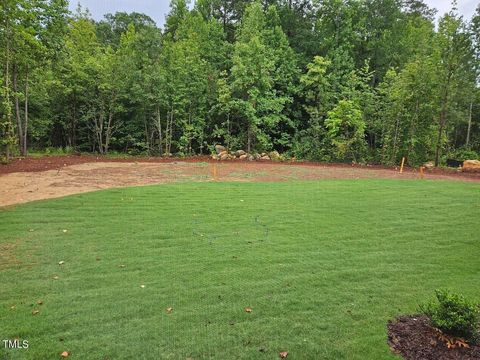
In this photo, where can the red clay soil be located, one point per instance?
(414, 339)
(31, 179)
(35, 164)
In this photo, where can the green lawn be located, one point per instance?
(324, 265)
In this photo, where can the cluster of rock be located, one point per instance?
(222, 153)
(467, 165)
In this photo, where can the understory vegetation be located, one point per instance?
(355, 80)
(207, 271)
(454, 314)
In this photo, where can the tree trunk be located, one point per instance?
(228, 130)
(442, 120)
(412, 130)
(467, 142)
(17, 106)
(25, 126)
(108, 133)
(166, 133)
(147, 133)
(171, 135)
(249, 138)
(8, 125)
(159, 129)
(395, 138)
(439, 139)
(189, 145)
(73, 123)
(169, 131)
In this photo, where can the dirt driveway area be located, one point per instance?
(50, 177)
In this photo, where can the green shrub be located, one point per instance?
(454, 315)
(463, 154)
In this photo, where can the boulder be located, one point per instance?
(265, 157)
(223, 155)
(243, 157)
(239, 153)
(274, 155)
(220, 148)
(251, 157)
(471, 165)
(429, 165)
(215, 157)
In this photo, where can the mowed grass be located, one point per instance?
(323, 265)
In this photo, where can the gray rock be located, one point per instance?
(429, 165)
(219, 148)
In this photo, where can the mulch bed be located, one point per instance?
(414, 339)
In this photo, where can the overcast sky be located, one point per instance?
(157, 9)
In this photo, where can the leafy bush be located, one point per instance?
(53, 151)
(454, 315)
(346, 131)
(464, 154)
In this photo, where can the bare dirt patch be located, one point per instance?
(50, 177)
(414, 339)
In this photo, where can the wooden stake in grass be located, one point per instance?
(214, 172)
(401, 166)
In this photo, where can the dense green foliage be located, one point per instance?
(324, 266)
(454, 314)
(357, 80)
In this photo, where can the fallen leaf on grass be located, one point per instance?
(65, 230)
(61, 262)
(169, 310)
(142, 286)
(12, 307)
(35, 312)
(283, 354)
(121, 266)
(39, 302)
(248, 310)
(55, 277)
(65, 354)
(31, 230)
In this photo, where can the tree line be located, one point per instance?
(331, 80)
